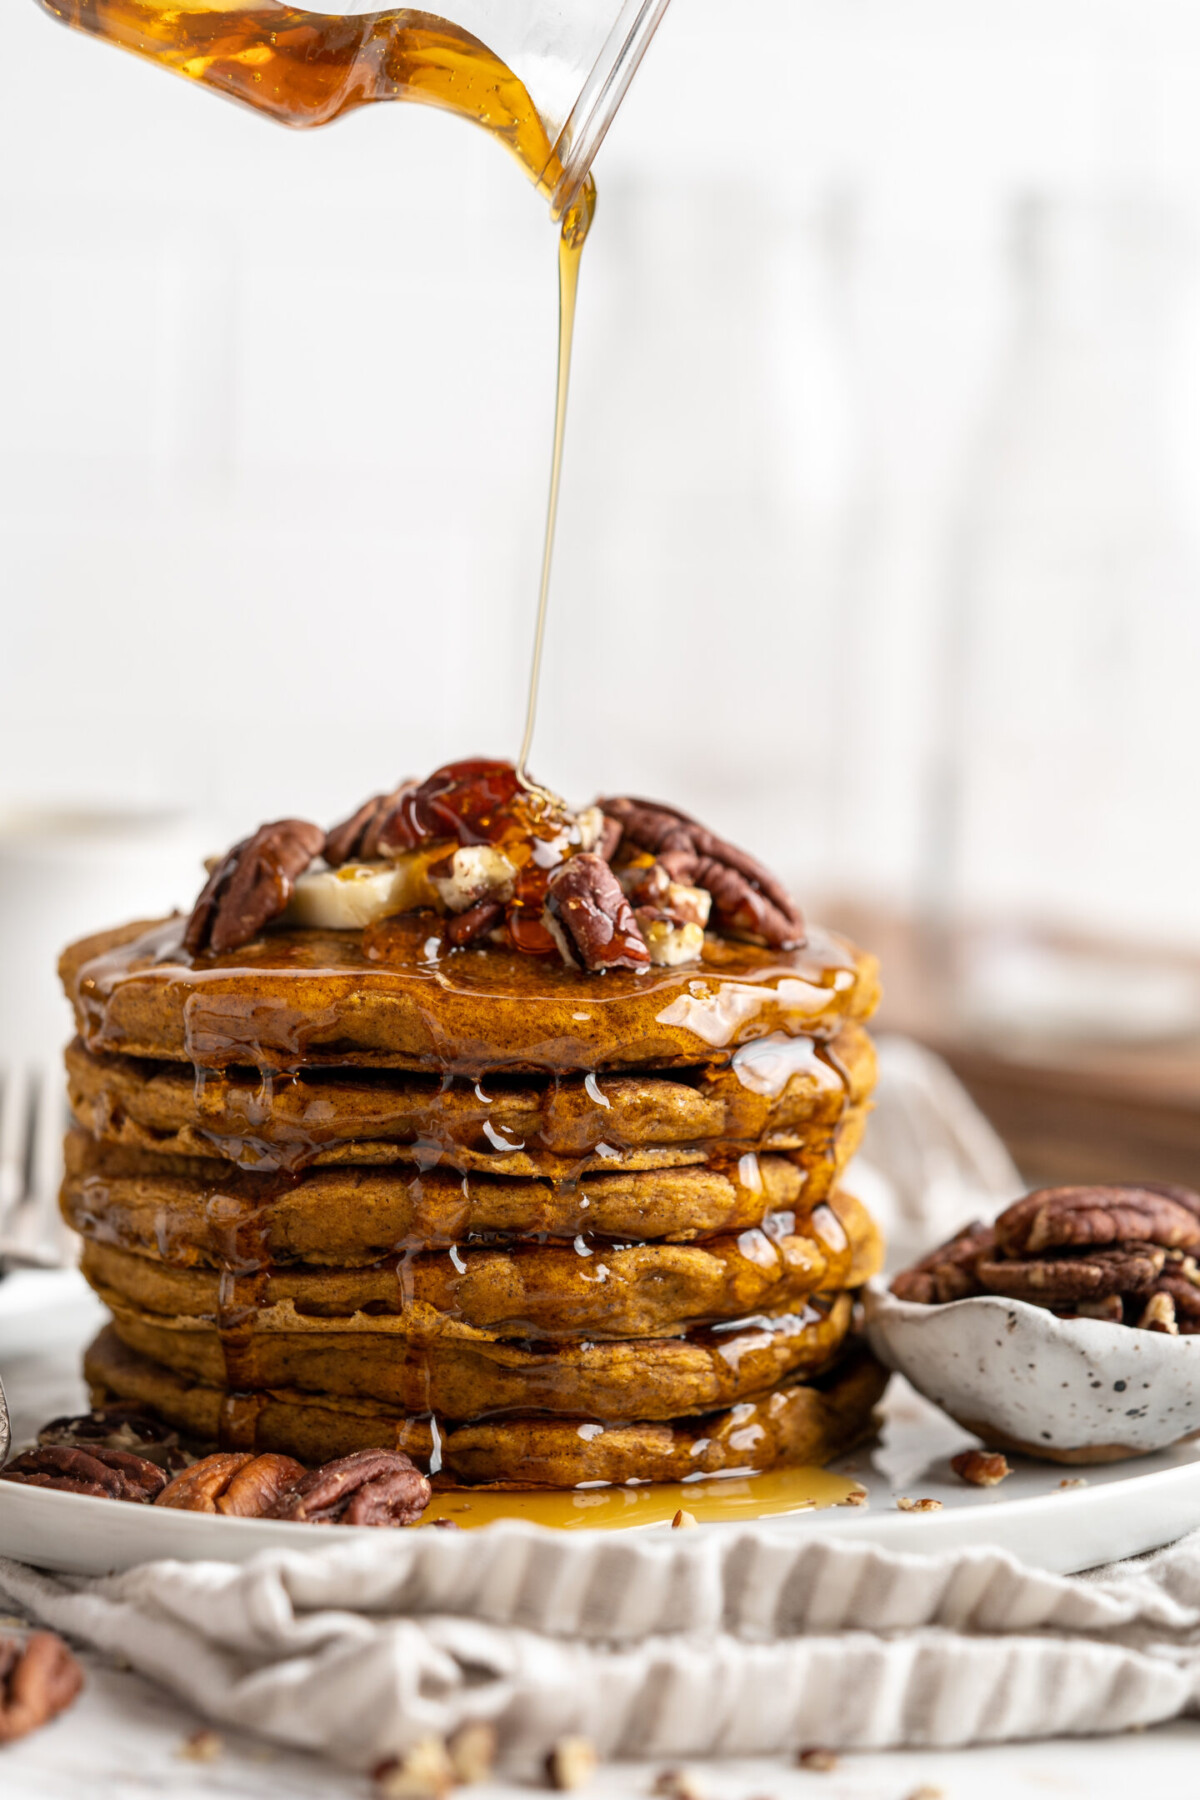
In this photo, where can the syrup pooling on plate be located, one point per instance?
(770, 1495)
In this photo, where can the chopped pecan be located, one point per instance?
(980, 1468)
(251, 885)
(1159, 1314)
(1110, 1310)
(356, 839)
(1053, 1279)
(947, 1273)
(38, 1679)
(747, 898)
(371, 1487)
(586, 901)
(100, 1472)
(1066, 1217)
(236, 1483)
(119, 1428)
(476, 922)
(1182, 1283)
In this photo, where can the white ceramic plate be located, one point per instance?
(1121, 1510)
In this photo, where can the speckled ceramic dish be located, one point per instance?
(1067, 1390)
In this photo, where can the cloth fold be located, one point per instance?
(717, 1643)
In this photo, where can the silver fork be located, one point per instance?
(33, 1118)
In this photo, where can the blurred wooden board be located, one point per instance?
(1069, 1111)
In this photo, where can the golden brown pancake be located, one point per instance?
(460, 1372)
(510, 1127)
(803, 1423)
(191, 1210)
(293, 997)
(594, 1289)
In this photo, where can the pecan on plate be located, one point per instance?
(102, 1473)
(371, 1487)
(747, 898)
(38, 1679)
(1057, 1280)
(586, 902)
(1068, 1217)
(251, 885)
(947, 1273)
(356, 839)
(236, 1483)
(119, 1428)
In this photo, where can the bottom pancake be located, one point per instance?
(804, 1423)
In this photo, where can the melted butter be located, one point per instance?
(710, 1501)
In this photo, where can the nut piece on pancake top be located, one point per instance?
(506, 862)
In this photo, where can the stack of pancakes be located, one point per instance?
(534, 1227)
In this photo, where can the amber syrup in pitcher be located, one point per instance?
(306, 68)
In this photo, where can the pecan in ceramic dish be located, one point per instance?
(102, 1473)
(238, 1484)
(1120, 1254)
(947, 1273)
(251, 885)
(38, 1679)
(370, 1487)
(1066, 1217)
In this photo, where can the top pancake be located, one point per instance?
(380, 999)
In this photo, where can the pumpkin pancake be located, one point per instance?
(594, 1289)
(807, 1422)
(783, 1096)
(388, 998)
(461, 1372)
(190, 1210)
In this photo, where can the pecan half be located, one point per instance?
(371, 1487)
(251, 885)
(38, 1679)
(105, 1474)
(586, 900)
(1053, 1280)
(1067, 1217)
(356, 839)
(947, 1273)
(238, 1484)
(119, 1428)
(747, 899)
(467, 927)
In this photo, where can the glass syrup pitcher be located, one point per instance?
(544, 76)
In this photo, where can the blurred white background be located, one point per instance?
(880, 541)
